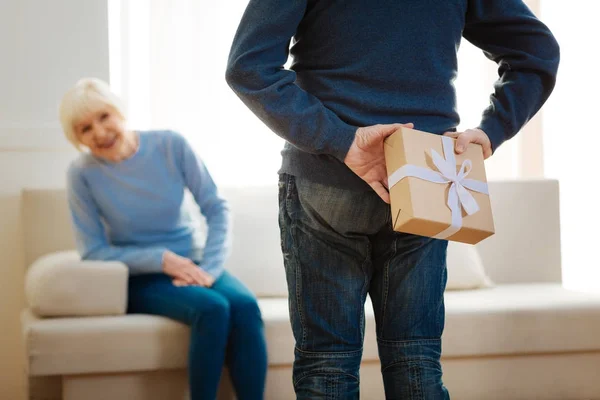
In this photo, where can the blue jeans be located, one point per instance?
(338, 246)
(225, 325)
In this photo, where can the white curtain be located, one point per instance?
(572, 137)
(168, 61)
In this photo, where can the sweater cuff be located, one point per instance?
(156, 260)
(343, 140)
(495, 130)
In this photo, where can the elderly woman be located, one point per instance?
(125, 194)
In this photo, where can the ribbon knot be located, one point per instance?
(458, 196)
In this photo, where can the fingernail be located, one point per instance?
(460, 148)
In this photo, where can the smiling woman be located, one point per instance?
(92, 118)
(125, 196)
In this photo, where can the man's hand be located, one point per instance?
(366, 157)
(184, 271)
(471, 136)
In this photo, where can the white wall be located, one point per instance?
(572, 138)
(45, 47)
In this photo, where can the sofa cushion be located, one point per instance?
(465, 268)
(61, 285)
(256, 257)
(507, 319)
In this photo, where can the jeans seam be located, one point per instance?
(386, 284)
(443, 275)
(329, 354)
(298, 285)
(410, 341)
(416, 386)
(411, 360)
(365, 290)
(324, 372)
(298, 275)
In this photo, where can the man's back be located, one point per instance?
(382, 61)
(360, 63)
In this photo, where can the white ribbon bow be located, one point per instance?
(458, 195)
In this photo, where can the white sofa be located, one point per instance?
(525, 338)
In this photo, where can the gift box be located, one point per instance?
(435, 192)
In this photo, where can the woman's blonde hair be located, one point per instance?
(87, 96)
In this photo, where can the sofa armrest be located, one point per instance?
(61, 285)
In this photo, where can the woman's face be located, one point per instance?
(103, 132)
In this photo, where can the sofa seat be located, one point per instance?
(64, 346)
(510, 319)
(504, 320)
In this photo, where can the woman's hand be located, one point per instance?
(184, 271)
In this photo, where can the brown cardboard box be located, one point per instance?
(420, 206)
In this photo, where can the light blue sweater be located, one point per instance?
(132, 211)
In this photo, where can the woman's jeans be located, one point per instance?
(225, 325)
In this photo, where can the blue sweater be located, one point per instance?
(132, 211)
(365, 62)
